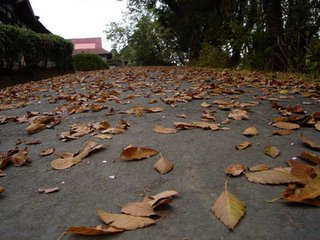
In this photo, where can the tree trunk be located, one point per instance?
(275, 59)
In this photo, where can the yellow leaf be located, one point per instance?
(271, 151)
(228, 209)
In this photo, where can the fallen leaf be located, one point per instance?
(104, 136)
(282, 132)
(286, 125)
(32, 142)
(35, 127)
(259, 167)
(161, 198)
(235, 169)
(301, 170)
(310, 191)
(92, 231)
(309, 143)
(183, 125)
(137, 153)
(138, 209)
(124, 221)
(205, 105)
(317, 125)
(114, 131)
(96, 108)
(272, 177)
(250, 132)
(64, 163)
(310, 157)
(164, 130)
(243, 145)
(238, 114)
(48, 190)
(271, 151)
(228, 209)
(20, 158)
(163, 165)
(46, 152)
(2, 173)
(1, 189)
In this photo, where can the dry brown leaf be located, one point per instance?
(310, 156)
(2, 173)
(301, 170)
(271, 151)
(163, 165)
(282, 132)
(101, 125)
(64, 163)
(48, 190)
(153, 110)
(250, 132)
(235, 169)
(1, 189)
(138, 209)
(309, 143)
(92, 231)
(243, 145)
(239, 114)
(183, 125)
(114, 131)
(47, 152)
(161, 198)
(104, 136)
(205, 125)
(20, 158)
(317, 125)
(310, 191)
(286, 125)
(259, 167)
(228, 209)
(205, 105)
(137, 153)
(96, 108)
(35, 127)
(124, 221)
(164, 130)
(272, 177)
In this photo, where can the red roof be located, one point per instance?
(88, 45)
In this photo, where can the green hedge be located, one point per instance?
(24, 49)
(88, 62)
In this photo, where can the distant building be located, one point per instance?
(19, 13)
(90, 45)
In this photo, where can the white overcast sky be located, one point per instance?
(78, 18)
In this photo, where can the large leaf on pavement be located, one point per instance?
(137, 153)
(92, 231)
(64, 163)
(309, 143)
(229, 209)
(272, 177)
(124, 221)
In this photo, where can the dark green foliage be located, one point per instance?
(88, 62)
(23, 49)
(257, 34)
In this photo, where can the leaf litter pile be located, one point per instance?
(164, 89)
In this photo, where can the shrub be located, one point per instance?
(24, 49)
(88, 62)
(212, 57)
